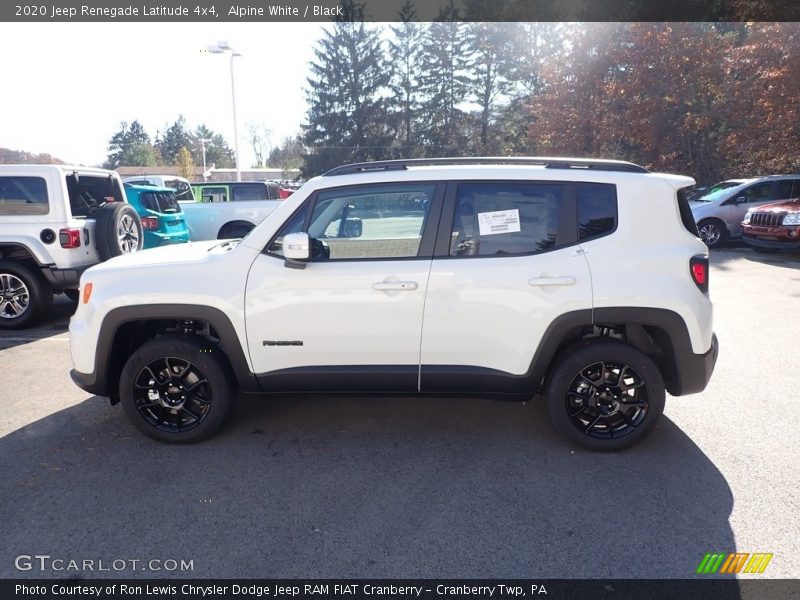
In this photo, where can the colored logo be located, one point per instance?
(737, 562)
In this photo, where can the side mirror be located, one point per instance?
(296, 250)
(741, 200)
(353, 228)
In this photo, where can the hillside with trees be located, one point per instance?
(8, 156)
(712, 100)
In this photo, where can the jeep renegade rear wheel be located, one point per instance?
(604, 395)
(177, 389)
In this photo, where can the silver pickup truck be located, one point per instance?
(225, 220)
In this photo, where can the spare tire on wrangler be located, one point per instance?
(117, 230)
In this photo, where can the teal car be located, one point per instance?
(163, 221)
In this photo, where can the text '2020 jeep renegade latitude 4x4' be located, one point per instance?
(458, 276)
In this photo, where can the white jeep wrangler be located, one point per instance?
(584, 279)
(55, 222)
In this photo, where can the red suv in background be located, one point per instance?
(773, 227)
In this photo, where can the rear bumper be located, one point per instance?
(63, 279)
(153, 239)
(695, 370)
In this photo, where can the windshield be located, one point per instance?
(717, 191)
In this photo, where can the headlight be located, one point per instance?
(792, 219)
(747, 218)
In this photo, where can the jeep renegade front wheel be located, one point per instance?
(177, 389)
(604, 395)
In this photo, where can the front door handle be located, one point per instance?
(384, 286)
(542, 281)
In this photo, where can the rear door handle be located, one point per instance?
(542, 281)
(384, 286)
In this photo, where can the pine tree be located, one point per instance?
(130, 146)
(491, 48)
(444, 83)
(404, 101)
(218, 152)
(347, 115)
(175, 137)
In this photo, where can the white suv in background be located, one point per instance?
(504, 276)
(55, 222)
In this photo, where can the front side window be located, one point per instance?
(505, 218)
(23, 196)
(760, 192)
(361, 223)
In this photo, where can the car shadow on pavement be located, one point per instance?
(362, 487)
(55, 322)
(738, 250)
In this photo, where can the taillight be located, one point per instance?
(698, 266)
(70, 238)
(150, 223)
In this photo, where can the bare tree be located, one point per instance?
(259, 137)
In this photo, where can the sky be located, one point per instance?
(67, 86)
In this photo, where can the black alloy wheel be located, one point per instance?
(603, 394)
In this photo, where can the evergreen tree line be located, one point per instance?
(132, 146)
(692, 98)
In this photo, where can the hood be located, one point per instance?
(780, 206)
(167, 255)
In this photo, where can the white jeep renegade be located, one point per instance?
(583, 279)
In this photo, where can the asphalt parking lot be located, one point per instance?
(421, 487)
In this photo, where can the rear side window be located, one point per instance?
(597, 209)
(23, 196)
(249, 191)
(505, 218)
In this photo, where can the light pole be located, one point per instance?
(203, 142)
(223, 47)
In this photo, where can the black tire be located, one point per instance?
(117, 230)
(73, 295)
(762, 250)
(234, 230)
(713, 232)
(24, 295)
(200, 389)
(595, 415)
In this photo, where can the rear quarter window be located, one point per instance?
(23, 196)
(687, 218)
(597, 209)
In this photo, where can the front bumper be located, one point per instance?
(785, 243)
(87, 382)
(695, 370)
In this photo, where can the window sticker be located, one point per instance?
(500, 221)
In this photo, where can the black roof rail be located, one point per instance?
(547, 162)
